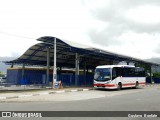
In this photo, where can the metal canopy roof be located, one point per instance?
(91, 57)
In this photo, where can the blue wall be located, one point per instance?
(14, 76)
(69, 80)
(156, 80)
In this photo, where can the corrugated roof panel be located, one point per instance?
(36, 54)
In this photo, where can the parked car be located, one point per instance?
(2, 79)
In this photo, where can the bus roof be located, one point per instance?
(111, 66)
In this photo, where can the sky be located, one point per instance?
(128, 27)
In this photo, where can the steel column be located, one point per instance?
(84, 72)
(76, 69)
(23, 67)
(151, 73)
(48, 65)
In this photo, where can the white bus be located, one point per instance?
(119, 76)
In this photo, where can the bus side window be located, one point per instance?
(129, 72)
(114, 75)
(119, 72)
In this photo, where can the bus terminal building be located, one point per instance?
(70, 62)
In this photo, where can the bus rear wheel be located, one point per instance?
(136, 86)
(119, 87)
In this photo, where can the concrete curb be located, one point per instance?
(62, 91)
(152, 85)
(53, 92)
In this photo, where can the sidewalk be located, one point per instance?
(19, 87)
(152, 85)
(30, 93)
(43, 91)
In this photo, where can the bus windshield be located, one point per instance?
(102, 74)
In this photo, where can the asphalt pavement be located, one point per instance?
(143, 99)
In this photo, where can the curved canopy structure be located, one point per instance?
(88, 56)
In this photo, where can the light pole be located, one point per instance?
(54, 65)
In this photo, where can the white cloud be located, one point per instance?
(14, 46)
(147, 14)
(122, 26)
(34, 19)
(138, 45)
(130, 27)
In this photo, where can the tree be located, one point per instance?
(1, 74)
(156, 75)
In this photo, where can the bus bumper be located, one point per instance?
(105, 86)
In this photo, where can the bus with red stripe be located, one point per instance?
(119, 76)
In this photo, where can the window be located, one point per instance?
(129, 72)
(102, 74)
